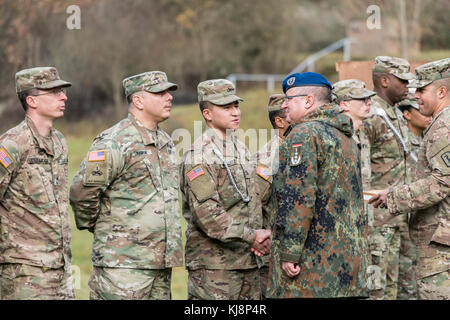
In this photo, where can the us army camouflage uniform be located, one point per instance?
(428, 196)
(388, 162)
(319, 218)
(221, 226)
(266, 161)
(35, 255)
(126, 193)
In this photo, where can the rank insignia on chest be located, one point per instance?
(295, 154)
(5, 159)
(98, 155)
(194, 173)
(263, 172)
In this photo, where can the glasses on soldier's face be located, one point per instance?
(54, 92)
(287, 98)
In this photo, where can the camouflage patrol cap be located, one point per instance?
(218, 91)
(392, 65)
(151, 81)
(351, 89)
(39, 78)
(275, 102)
(409, 101)
(429, 72)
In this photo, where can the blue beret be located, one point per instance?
(308, 79)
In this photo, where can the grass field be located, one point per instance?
(79, 137)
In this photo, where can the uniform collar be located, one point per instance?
(390, 111)
(41, 141)
(148, 136)
(434, 120)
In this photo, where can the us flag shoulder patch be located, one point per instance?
(97, 155)
(263, 172)
(5, 158)
(195, 173)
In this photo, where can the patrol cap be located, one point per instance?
(409, 101)
(275, 102)
(392, 65)
(429, 72)
(305, 79)
(39, 78)
(351, 89)
(151, 81)
(218, 91)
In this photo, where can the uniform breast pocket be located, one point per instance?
(38, 184)
(151, 169)
(229, 183)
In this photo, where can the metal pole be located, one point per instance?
(403, 29)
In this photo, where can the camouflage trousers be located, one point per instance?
(207, 284)
(263, 278)
(383, 272)
(435, 287)
(24, 282)
(130, 284)
(407, 273)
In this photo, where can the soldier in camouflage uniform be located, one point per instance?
(428, 196)
(35, 255)
(387, 134)
(221, 206)
(319, 249)
(266, 161)
(126, 194)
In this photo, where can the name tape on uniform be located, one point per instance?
(98, 155)
(5, 158)
(195, 173)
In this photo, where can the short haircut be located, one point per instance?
(23, 97)
(442, 83)
(203, 105)
(321, 94)
(276, 113)
(376, 79)
(405, 107)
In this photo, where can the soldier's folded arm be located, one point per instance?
(425, 192)
(99, 168)
(210, 215)
(297, 199)
(9, 158)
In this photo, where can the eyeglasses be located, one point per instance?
(294, 96)
(55, 92)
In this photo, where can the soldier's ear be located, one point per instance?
(385, 81)
(207, 114)
(31, 102)
(137, 101)
(344, 105)
(442, 92)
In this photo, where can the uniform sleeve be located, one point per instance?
(9, 161)
(98, 170)
(428, 191)
(206, 209)
(295, 189)
(370, 127)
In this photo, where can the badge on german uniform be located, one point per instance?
(5, 158)
(98, 155)
(263, 172)
(296, 153)
(194, 173)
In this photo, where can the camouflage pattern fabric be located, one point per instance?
(218, 91)
(389, 166)
(265, 168)
(319, 218)
(126, 193)
(152, 81)
(435, 287)
(429, 72)
(35, 228)
(39, 78)
(350, 89)
(206, 284)
(25, 282)
(392, 65)
(428, 198)
(221, 226)
(130, 284)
